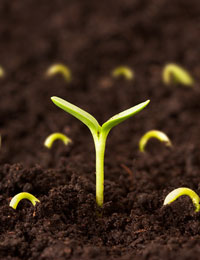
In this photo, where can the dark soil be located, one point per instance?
(92, 38)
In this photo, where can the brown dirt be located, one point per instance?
(92, 38)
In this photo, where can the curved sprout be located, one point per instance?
(123, 71)
(153, 134)
(56, 136)
(2, 73)
(99, 134)
(175, 194)
(172, 73)
(59, 69)
(20, 196)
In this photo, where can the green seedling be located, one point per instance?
(126, 72)
(2, 73)
(153, 134)
(175, 194)
(172, 73)
(99, 134)
(56, 136)
(20, 196)
(60, 69)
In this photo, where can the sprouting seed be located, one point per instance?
(20, 196)
(56, 136)
(175, 194)
(124, 71)
(59, 69)
(153, 134)
(99, 134)
(173, 73)
(2, 73)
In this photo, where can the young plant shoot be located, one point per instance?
(175, 194)
(153, 134)
(99, 134)
(172, 73)
(126, 72)
(20, 196)
(56, 136)
(1, 72)
(59, 69)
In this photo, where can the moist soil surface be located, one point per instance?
(92, 38)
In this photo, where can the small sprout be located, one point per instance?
(99, 134)
(59, 69)
(172, 73)
(175, 194)
(56, 136)
(153, 134)
(20, 196)
(123, 71)
(2, 73)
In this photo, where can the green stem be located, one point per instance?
(100, 144)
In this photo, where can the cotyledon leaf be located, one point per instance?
(117, 119)
(77, 112)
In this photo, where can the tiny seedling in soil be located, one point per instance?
(126, 72)
(99, 134)
(175, 194)
(56, 136)
(20, 196)
(2, 73)
(153, 134)
(174, 74)
(60, 69)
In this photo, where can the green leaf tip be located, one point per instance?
(173, 73)
(59, 69)
(20, 196)
(153, 134)
(115, 120)
(77, 112)
(175, 194)
(56, 136)
(124, 71)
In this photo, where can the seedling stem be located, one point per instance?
(59, 69)
(99, 134)
(56, 136)
(20, 196)
(175, 194)
(173, 73)
(123, 71)
(1, 72)
(153, 134)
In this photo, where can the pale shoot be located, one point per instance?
(2, 73)
(173, 73)
(175, 194)
(124, 71)
(59, 69)
(99, 134)
(20, 196)
(153, 134)
(56, 136)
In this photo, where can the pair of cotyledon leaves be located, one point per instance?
(91, 122)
